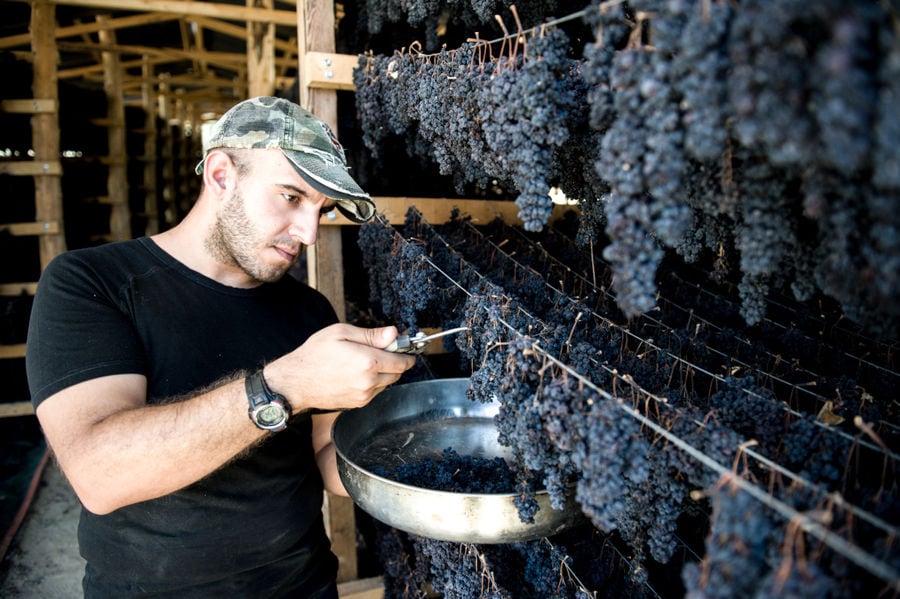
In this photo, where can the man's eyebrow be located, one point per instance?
(294, 188)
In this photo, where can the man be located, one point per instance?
(184, 383)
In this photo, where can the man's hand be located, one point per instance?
(339, 367)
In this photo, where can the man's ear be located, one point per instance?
(217, 170)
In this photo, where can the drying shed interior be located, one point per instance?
(671, 226)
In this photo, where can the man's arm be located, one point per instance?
(117, 450)
(326, 456)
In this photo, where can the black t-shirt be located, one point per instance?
(253, 524)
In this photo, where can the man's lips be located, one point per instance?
(288, 254)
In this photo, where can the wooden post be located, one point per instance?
(315, 32)
(148, 102)
(45, 127)
(117, 178)
(260, 53)
(167, 154)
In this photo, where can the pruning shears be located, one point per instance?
(415, 344)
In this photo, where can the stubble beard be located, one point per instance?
(233, 241)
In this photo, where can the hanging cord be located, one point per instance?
(519, 34)
(809, 525)
(626, 331)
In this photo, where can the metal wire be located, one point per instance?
(860, 557)
(627, 331)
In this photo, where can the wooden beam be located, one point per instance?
(12, 351)
(362, 588)
(184, 8)
(315, 33)
(437, 210)
(187, 81)
(13, 289)
(32, 168)
(327, 70)
(35, 228)
(169, 53)
(78, 72)
(18, 408)
(232, 61)
(238, 32)
(24, 39)
(117, 175)
(34, 106)
(260, 53)
(48, 204)
(148, 103)
(184, 30)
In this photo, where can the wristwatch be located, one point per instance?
(268, 410)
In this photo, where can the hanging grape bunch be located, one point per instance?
(523, 116)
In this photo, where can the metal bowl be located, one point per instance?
(416, 422)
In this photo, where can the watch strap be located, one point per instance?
(259, 394)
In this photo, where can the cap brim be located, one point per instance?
(333, 181)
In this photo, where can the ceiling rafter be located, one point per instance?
(24, 39)
(182, 8)
(194, 50)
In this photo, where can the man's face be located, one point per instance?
(268, 218)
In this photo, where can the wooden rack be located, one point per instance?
(45, 168)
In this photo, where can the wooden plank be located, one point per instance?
(90, 70)
(105, 200)
(148, 103)
(327, 70)
(13, 289)
(117, 174)
(186, 8)
(45, 129)
(315, 33)
(260, 53)
(23, 39)
(22, 408)
(227, 59)
(362, 588)
(437, 210)
(33, 106)
(35, 228)
(31, 168)
(12, 351)
(237, 32)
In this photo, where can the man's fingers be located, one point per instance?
(383, 336)
(396, 364)
(378, 337)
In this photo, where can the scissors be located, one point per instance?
(405, 344)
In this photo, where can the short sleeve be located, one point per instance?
(79, 329)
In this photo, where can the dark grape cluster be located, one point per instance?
(641, 160)
(790, 107)
(700, 73)
(430, 16)
(736, 547)
(455, 473)
(522, 134)
(751, 411)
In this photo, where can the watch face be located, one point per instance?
(270, 415)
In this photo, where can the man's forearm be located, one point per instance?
(143, 452)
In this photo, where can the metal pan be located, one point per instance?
(416, 422)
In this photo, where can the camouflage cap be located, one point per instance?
(307, 142)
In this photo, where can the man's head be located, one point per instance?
(308, 143)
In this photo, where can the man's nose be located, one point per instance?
(305, 226)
